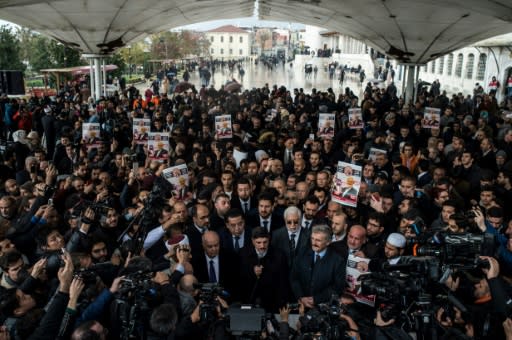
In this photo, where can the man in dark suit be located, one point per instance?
(310, 210)
(265, 216)
(319, 272)
(263, 273)
(243, 199)
(195, 231)
(222, 205)
(235, 236)
(213, 266)
(424, 176)
(292, 240)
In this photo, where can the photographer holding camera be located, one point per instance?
(488, 311)
(490, 225)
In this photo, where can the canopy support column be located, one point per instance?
(409, 91)
(96, 62)
(104, 77)
(91, 79)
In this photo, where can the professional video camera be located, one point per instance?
(401, 294)
(325, 320)
(208, 293)
(99, 208)
(404, 291)
(140, 282)
(456, 249)
(135, 298)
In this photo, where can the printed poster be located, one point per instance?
(372, 155)
(355, 119)
(353, 279)
(91, 135)
(141, 128)
(431, 118)
(271, 115)
(326, 124)
(346, 184)
(158, 146)
(223, 128)
(177, 176)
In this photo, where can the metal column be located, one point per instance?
(97, 78)
(96, 62)
(409, 91)
(91, 79)
(104, 77)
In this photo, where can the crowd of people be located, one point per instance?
(81, 227)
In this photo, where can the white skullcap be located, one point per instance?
(396, 240)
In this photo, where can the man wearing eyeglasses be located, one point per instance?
(293, 239)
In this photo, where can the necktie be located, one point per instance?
(306, 224)
(211, 274)
(265, 225)
(317, 258)
(246, 207)
(292, 243)
(237, 246)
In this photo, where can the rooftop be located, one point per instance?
(227, 29)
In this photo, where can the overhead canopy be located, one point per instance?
(413, 31)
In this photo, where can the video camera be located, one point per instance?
(325, 320)
(136, 297)
(99, 208)
(404, 291)
(208, 293)
(140, 282)
(455, 249)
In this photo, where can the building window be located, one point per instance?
(482, 63)
(230, 39)
(221, 38)
(469, 66)
(212, 39)
(221, 51)
(425, 68)
(241, 40)
(230, 51)
(433, 67)
(450, 64)
(241, 52)
(212, 51)
(458, 66)
(441, 66)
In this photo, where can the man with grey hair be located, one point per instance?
(293, 239)
(188, 292)
(319, 271)
(30, 172)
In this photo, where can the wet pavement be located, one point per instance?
(283, 75)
